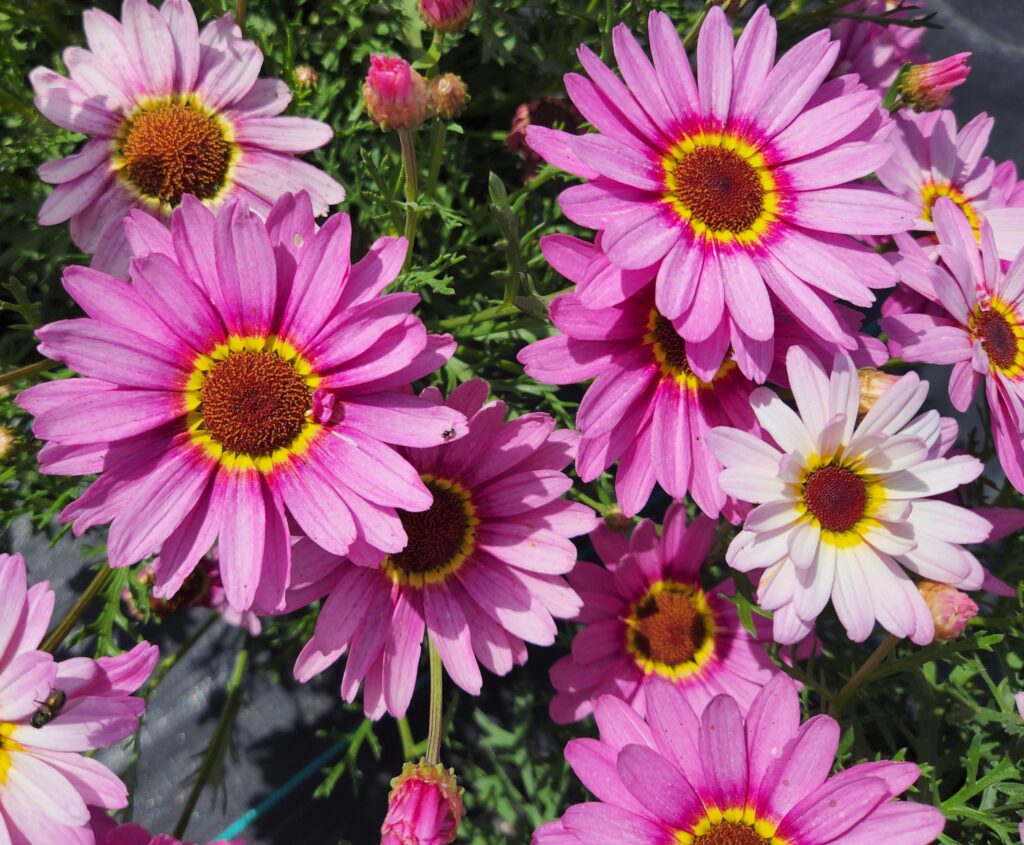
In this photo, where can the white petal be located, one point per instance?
(810, 387)
(780, 421)
(933, 477)
(851, 596)
(803, 544)
(751, 486)
(772, 515)
(949, 522)
(895, 453)
(814, 585)
(733, 447)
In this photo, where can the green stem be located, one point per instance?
(408, 743)
(600, 507)
(496, 312)
(98, 584)
(28, 371)
(863, 674)
(240, 8)
(411, 189)
(438, 132)
(219, 741)
(691, 35)
(434, 730)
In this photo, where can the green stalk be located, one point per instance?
(405, 734)
(438, 133)
(496, 312)
(98, 584)
(435, 728)
(27, 371)
(411, 189)
(240, 9)
(863, 674)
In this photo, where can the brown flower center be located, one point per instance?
(254, 402)
(669, 626)
(720, 188)
(173, 149)
(440, 538)
(731, 833)
(669, 347)
(837, 496)
(997, 337)
(195, 588)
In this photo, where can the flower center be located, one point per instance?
(7, 745)
(731, 833)
(254, 403)
(836, 496)
(998, 337)
(669, 351)
(930, 194)
(670, 630)
(175, 148)
(440, 539)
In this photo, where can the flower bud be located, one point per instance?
(950, 609)
(446, 15)
(424, 807)
(394, 93)
(448, 95)
(926, 87)
(305, 77)
(7, 443)
(873, 383)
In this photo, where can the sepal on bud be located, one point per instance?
(926, 87)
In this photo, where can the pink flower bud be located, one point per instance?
(873, 383)
(394, 93)
(448, 95)
(446, 15)
(424, 807)
(305, 77)
(950, 609)
(926, 87)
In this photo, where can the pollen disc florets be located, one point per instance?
(731, 833)
(671, 630)
(1001, 336)
(440, 539)
(173, 148)
(836, 496)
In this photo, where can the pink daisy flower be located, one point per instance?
(932, 160)
(108, 832)
(482, 571)
(873, 51)
(975, 321)
(655, 395)
(736, 185)
(724, 779)
(249, 374)
(51, 713)
(842, 508)
(170, 110)
(646, 616)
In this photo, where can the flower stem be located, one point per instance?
(219, 741)
(863, 674)
(496, 312)
(27, 371)
(436, 682)
(438, 133)
(411, 189)
(691, 35)
(240, 8)
(98, 584)
(405, 734)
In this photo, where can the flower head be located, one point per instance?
(733, 186)
(249, 375)
(951, 610)
(108, 832)
(872, 50)
(424, 807)
(722, 778)
(843, 509)
(931, 160)
(647, 616)
(395, 95)
(926, 87)
(973, 319)
(51, 713)
(305, 76)
(170, 110)
(446, 15)
(481, 571)
(448, 95)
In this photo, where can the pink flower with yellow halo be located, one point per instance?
(47, 783)
(249, 375)
(170, 110)
(647, 616)
(735, 185)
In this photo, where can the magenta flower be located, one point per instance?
(926, 86)
(932, 160)
(51, 713)
(655, 395)
(170, 110)
(646, 616)
(395, 95)
(734, 185)
(250, 374)
(424, 807)
(874, 51)
(107, 832)
(978, 327)
(725, 779)
(842, 506)
(482, 570)
(446, 15)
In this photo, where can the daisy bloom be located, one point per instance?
(722, 778)
(481, 572)
(646, 616)
(248, 374)
(108, 832)
(932, 160)
(842, 508)
(170, 110)
(53, 712)
(874, 51)
(735, 185)
(975, 321)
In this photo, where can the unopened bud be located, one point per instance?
(446, 15)
(7, 443)
(618, 521)
(951, 610)
(394, 93)
(305, 77)
(926, 87)
(448, 95)
(424, 807)
(873, 383)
